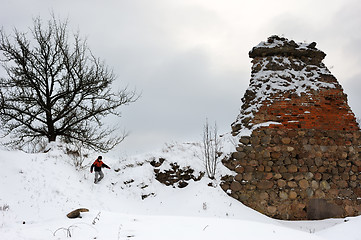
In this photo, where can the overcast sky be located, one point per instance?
(190, 59)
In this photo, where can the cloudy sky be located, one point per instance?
(189, 58)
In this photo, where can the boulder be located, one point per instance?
(76, 213)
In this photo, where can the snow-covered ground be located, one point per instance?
(38, 190)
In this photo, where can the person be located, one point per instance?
(97, 166)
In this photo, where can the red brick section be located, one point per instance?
(325, 110)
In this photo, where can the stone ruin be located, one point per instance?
(298, 155)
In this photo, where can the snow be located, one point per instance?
(38, 190)
(266, 82)
(279, 42)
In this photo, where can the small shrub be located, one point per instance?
(78, 154)
(211, 149)
(4, 208)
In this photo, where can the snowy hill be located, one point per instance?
(38, 190)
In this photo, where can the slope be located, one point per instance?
(38, 190)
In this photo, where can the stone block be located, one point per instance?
(264, 184)
(276, 155)
(239, 169)
(342, 184)
(292, 184)
(318, 209)
(248, 176)
(283, 195)
(304, 184)
(286, 140)
(244, 140)
(239, 155)
(314, 185)
(271, 209)
(236, 186)
(292, 168)
(292, 195)
(282, 183)
(238, 177)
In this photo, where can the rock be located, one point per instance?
(264, 196)
(268, 176)
(290, 149)
(292, 184)
(277, 176)
(76, 213)
(245, 140)
(239, 169)
(238, 177)
(283, 195)
(264, 184)
(277, 148)
(342, 184)
(253, 163)
(282, 183)
(303, 169)
(346, 193)
(318, 176)
(266, 154)
(292, 195)
(288, 176)
(312, 45)
(349, 210)
(318, 154)
(342, 163)
(275, 155)
(301, 133)
(224, 186)
(272, 209)
(157, 163)
(235, 186)
(182, 184)
(343, 155)
(287, 48)
(265, 140)
(286, 140)
(318, 161)
(177, 174)
(239, 155)
(318, 209)
(309, 192)
(292, 168)
(314, 185)
(319, 194)
(261, 168)
(248, 176)
(303, 184)
(309, 176)
(243, 197)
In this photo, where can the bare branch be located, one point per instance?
(211, 149)
(55, 87)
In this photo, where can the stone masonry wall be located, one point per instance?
(302, 158)
(279, 170)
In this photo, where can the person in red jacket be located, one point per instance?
(97, 166)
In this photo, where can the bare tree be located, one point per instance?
(211, 149)
(56, 88)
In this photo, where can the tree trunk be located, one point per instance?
(52, 137)
(51, 128)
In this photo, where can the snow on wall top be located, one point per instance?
(281, 66)
(279, 46)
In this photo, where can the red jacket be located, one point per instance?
(97, 165)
